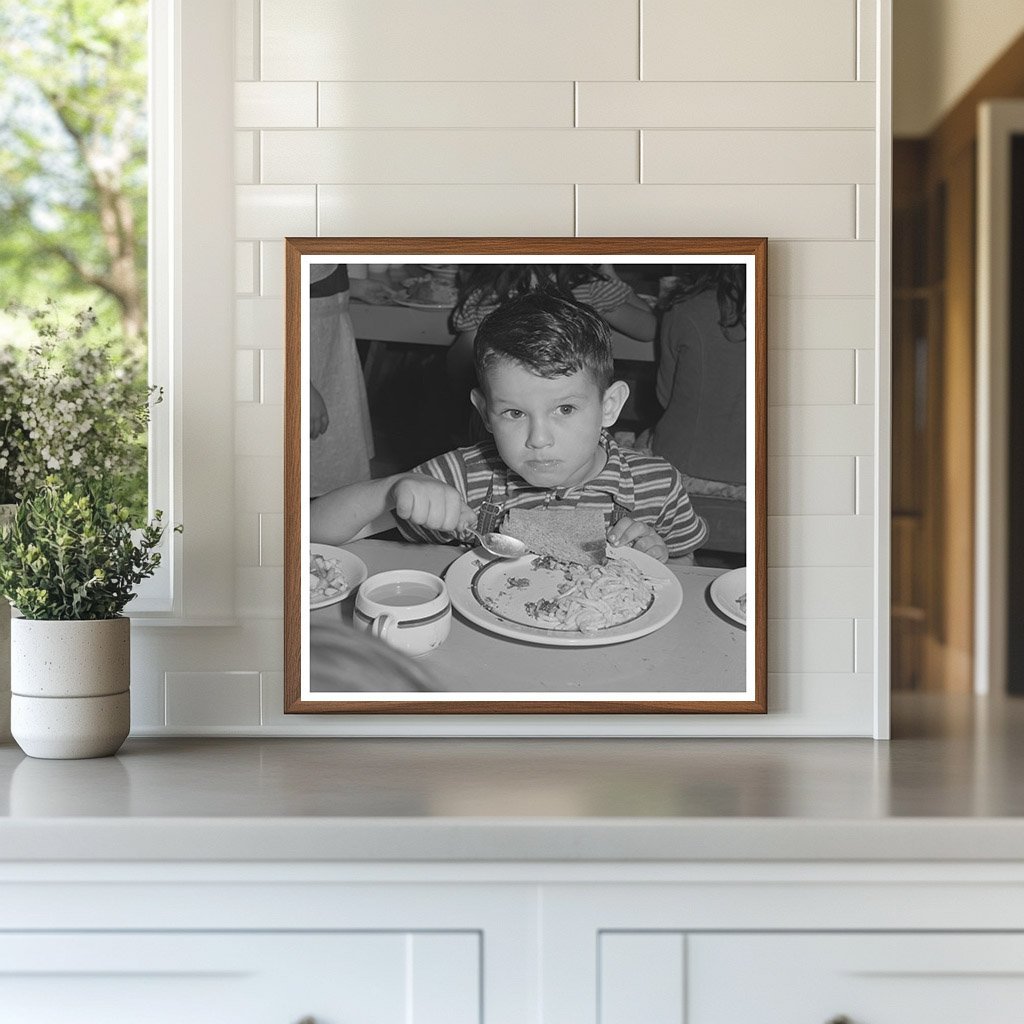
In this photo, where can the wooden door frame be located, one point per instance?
(998, 121)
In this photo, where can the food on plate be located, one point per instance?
(430, 291)
(326, 578)
(575, 536)
(596, 598)
(741, 603)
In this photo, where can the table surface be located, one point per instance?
(946, 788)
(698, 650)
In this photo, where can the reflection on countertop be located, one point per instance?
(952, 763)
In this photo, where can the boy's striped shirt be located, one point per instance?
(646, 488)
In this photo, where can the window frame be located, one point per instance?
(191, 304)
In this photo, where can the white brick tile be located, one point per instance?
(811, 377)
(147, 692)
(811, 645)
(245, 158)
(246, 50)
(820, 540)
(822, 268)
(272, 376)
(726, 105)
(447, 157)
(815, 486)
(827, 592)
(275, 104)
(758, 157)
(271, 269)
(821, 430)
(455, 40)
(735, 40)
(246, 379)
(864, 646)
(447, 210)
(775, 211)
(865, 485)
(825, 703)
(446, 105)
(245, 268)
(271, 539)
(865, 376)
(866, 211)
(199, 700)
(817, 323)
(867, 25)
(259, 484)
(259, 592)
(273, 211)
(259, 429)
(247, 539)
(259, 323)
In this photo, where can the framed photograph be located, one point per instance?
(525, 475)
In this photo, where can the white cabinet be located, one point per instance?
(816, 978)
(511, 943)
(868, 979)
(241, 978)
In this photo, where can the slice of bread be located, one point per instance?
(568, 535)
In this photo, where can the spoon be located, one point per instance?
(499, 544)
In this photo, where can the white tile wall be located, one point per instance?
(432, 156)
(748, 41)
(754, 117)
(451, 40)
(447, 209)
(756, 157)
(447, 105)
(774, 211)
(726, 105)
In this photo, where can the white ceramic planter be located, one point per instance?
(69, 685)
(6, 516)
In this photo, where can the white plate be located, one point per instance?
(401, 296)
(475, 578)
(398, 301)
(726, 591)
(353, 568)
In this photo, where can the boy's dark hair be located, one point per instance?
(549, 334)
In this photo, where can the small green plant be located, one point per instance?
(70, 553)
(74, 406)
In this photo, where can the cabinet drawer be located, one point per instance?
(242, 978)
(867, 978)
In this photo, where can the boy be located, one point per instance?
(547, 394)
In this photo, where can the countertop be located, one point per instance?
(948, 787)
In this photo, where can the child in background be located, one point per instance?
(701, 382)
(546, 396)
(341, 439)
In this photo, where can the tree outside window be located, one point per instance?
(73, 171)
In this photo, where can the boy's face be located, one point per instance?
(548, 429)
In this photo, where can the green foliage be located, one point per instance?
(72, 554)
(74, 408)
(73, 154)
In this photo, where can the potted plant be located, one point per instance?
(69, 563)
(69, 405)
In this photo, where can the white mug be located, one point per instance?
(408, 609)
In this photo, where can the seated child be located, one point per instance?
(546, 396)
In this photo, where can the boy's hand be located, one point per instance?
(631, 533)
(430, 503)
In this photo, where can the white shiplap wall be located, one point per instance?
(550, 117)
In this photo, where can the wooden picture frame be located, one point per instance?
(709, 656)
